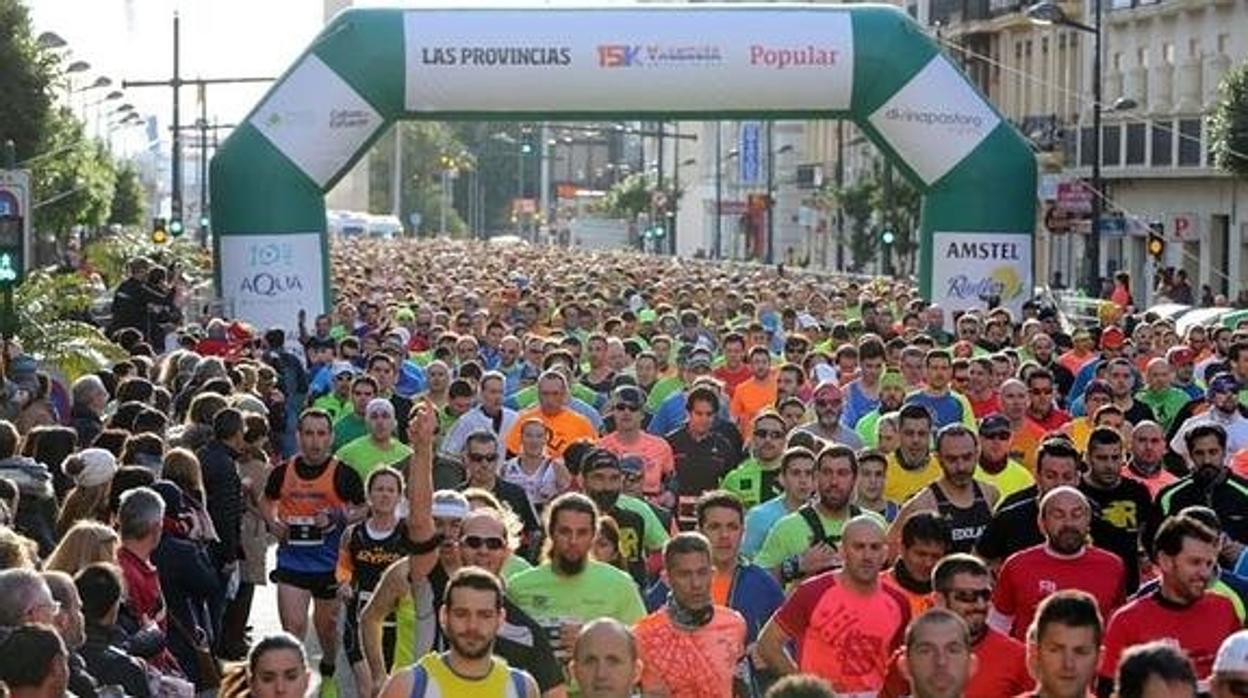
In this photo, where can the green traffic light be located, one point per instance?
(888, 237)
(526, 148)
(203, 221)
(175, 227)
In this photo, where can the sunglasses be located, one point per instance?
(970, 595)
(1041, 391)
(482, 457)
(488, 542)
(997, 436)
(627, 407)
(769, 433)
(828, 403)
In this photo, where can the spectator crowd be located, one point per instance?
(528, 471)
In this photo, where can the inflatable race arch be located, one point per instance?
(869, 63)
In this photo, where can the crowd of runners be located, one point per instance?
(508, 470)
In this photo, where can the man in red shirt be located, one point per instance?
(845, 624)
(735, 371)
(981, 392)
(1181, 609)
(963, 585)
(1042, 407)
(1064, 561)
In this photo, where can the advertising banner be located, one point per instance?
(967, 268)
(270, 278)
(700, 59)
(935, 120)
(749, 152)
(316, 119)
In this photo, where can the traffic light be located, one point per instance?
(203, 222)
(175, 227)
(888, 237)
(1156, 245)
(160, 231)
(12, 232)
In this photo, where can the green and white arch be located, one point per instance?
(370, 67)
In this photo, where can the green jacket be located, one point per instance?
(746, 481)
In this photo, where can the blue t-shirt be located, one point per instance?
(857, 405)
(945, 409)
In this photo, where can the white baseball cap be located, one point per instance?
(1233, 654)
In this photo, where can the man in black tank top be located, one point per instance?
(956, 496)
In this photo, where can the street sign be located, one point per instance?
(1183, 227)
(748, 152)
(15, 233)
(1113, 226)
(523, 206)
(1074, 197)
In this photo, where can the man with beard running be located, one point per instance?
(1210, 484)
(807, 541)
(892, 394)
(1063, 561)
(957, 496)
(603, 480)
(471, 616)
(569, 589)
(1182, 609)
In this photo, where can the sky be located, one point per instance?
(133, 40)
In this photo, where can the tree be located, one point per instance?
(424, 145)
(1228, 124)
(128, 206)
(26, 81)
(73, 176)
(869, 207)
(45, 305)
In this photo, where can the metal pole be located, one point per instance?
(203, 165)
(397, 173)
(1094, 237)
(519, 182)
(546, 162)
(771, 184)
(719, 188)
(674, 199)
(659, 160)
(175, 204)
(887, 252)
(840, 183)
(442, 206)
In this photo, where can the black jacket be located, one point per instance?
(81, 683)
(87, 423)
(110, 665)
(224, 489)
(132, 306)
(188, 582)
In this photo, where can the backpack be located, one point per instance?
(811, 517)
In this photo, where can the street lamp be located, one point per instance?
(78, 67)
(1047, 13)
(50, 40)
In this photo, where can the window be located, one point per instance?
(1224, 42)
(1167, 53)
(1086, 137)
(1117, 61)
(1163, 138)
(1111, 145)
(1189, 142)
(1193, 48)
(1141, 57)
(1136, 133)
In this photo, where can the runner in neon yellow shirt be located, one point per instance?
(379, 447)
